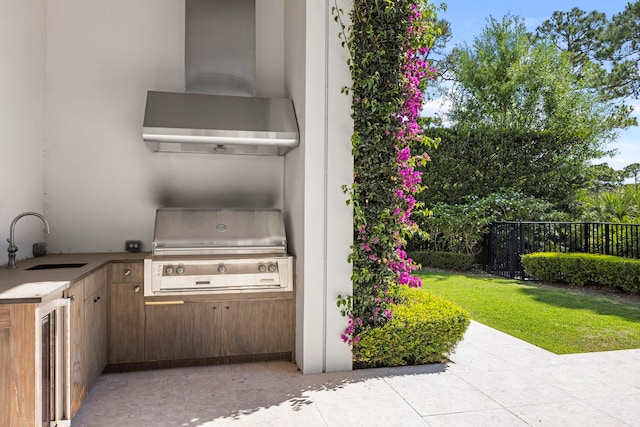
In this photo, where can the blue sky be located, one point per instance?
(468, 17)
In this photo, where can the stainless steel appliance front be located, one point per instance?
(200, 251)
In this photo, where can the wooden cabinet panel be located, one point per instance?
(258, 326)
(95, 281)
(5, 373)
(126, 323)
(77, 345)
(219, 328)
(96, 335)
(19, 398)
(182, 331)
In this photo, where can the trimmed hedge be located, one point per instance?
(581, 269)
(447, 260)
(424, 329)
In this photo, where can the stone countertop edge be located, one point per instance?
(12, 278)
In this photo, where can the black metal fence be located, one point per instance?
(506, 242)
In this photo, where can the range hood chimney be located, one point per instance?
(219, 113)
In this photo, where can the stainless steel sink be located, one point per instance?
(52, 266)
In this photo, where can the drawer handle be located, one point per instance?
(72, 298)
(127, 272)
(136, 289)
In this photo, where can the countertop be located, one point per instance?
(19, 285)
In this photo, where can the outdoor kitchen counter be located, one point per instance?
(22, 286)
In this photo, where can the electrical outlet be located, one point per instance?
(39, 249)
(133, 245)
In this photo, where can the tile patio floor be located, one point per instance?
(493, 380)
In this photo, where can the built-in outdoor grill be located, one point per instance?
(204, 251)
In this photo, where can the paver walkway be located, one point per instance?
(493, 380)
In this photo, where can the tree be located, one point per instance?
(508, 79)
(604, 178)
(621, 48)
(578, 33)
(523, 121)
(604, 52)
(632, 171)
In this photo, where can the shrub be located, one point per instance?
(461, 227)
(448, 260)
(423, 329)
(581, 269)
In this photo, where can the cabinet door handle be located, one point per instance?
(127, 272)
(136, 289)
(72, 298)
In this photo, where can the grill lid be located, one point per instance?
(188, 231)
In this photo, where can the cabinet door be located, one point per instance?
(77, 345)
(258, 326)
(96, 335)
(182, 331)
(126, 323)
(19, 393)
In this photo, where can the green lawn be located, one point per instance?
(559, 320)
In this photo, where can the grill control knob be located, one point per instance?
(180, 269)
(272, 268)
(222, 269)
(262, 268)
(168, 270)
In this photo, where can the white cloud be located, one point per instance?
(436, 108)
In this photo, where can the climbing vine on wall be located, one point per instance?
(387, 41)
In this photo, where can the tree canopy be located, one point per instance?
(508, 79)
(608, 49)
(524, 119)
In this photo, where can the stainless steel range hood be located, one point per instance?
(219, 113)
(217, 124)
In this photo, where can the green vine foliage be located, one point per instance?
(387, 41)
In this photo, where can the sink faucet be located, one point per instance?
(12, 246)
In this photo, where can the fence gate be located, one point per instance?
(507, 241)
(503, 248)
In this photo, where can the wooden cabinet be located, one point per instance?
(126, 313)
(88, 338)
(22, 358)
(193, 329)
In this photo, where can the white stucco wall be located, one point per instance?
(320, 221)
(339, 172)
(22, 80)
(103, 183)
